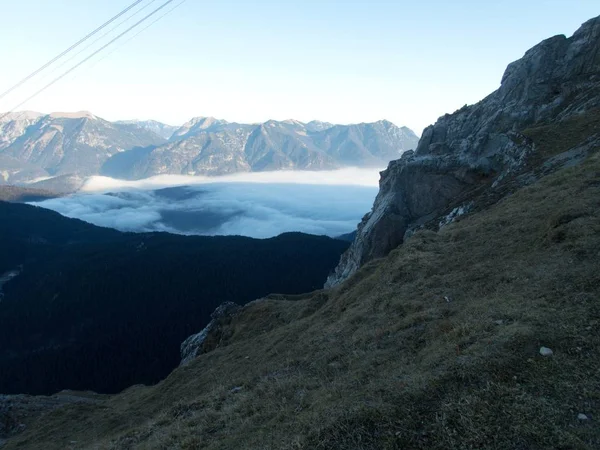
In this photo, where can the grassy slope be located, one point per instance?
(384, 362)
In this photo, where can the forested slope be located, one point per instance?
(92, 308)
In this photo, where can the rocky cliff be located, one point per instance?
(472, 156)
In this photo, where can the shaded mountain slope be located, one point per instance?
(435, 346)
(92, 308)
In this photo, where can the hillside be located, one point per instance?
(435, 346)
(94, 309)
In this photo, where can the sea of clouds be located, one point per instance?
(259, 205)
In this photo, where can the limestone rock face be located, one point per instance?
(478, 146)
(208, 338)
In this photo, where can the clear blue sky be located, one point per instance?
(339, 61)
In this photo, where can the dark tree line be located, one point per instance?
(96, 309)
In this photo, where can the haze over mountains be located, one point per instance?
(35, 146)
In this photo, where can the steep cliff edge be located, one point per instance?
(474, 156)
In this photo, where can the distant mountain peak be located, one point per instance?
(205, 122)
(318, 125)
(293, 122)
(198, 124)
(72, 115)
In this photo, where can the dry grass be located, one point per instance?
(550, 139)
(385, 362)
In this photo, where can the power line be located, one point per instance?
(79, 64)
(64, 63)
(77, 44)
(135, 35)
(117, 48)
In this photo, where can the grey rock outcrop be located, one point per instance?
(479, 146)
(208, 339)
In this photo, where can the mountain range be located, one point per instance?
(35, 146)
(464, 315)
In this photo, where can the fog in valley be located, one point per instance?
(259, 205)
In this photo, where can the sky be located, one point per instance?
(259, 205)
(249, 61)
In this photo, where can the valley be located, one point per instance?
(265, 286)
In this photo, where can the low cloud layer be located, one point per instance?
(258, 205)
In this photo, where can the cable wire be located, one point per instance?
(135, 35)
(64, 63)
(79, 64)
(77, 44)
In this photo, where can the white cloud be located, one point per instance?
(348, 176)
(259, 205)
